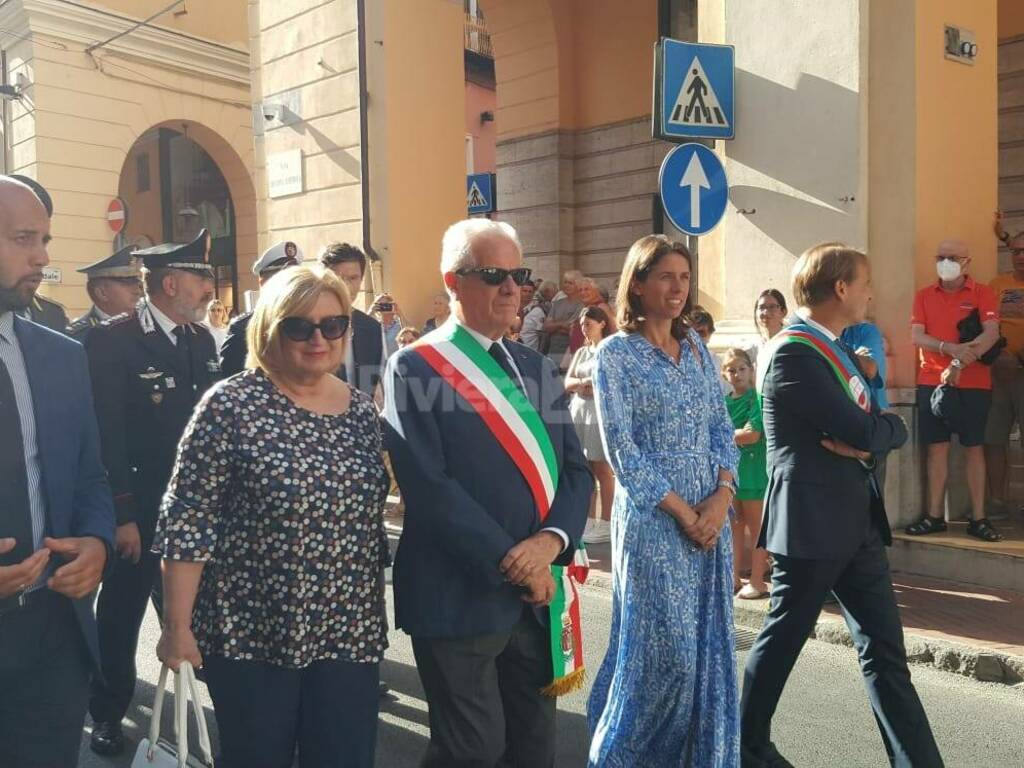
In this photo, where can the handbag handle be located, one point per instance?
(184, 686)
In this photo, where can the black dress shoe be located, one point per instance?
(767, 757)
(107, 739)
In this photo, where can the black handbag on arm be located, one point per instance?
(971, 328)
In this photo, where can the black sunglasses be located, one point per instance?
(301, 329)
(497, 275)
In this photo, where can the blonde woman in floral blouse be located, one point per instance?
(273, 540)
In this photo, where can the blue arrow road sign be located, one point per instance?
(480, 192)
(695, 84)
(694, 190)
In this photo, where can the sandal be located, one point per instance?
(982, 529)
(750, 592)
(926, 525)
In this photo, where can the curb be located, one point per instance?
(978, 663)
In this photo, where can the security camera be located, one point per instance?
(272, 112)
(10, 92)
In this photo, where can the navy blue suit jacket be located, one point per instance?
(819, 505)
(466, 502)
(78, 500)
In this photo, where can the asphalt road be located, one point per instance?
(824, 719)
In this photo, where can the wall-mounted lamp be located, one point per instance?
(487, 117)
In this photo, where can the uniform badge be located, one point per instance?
(169, 381)
(151, 373)
(213, 366)
(157, 398)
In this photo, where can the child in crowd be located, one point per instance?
(745, 413)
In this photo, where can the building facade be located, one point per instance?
(159, 117)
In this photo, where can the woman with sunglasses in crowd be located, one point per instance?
(273, 540)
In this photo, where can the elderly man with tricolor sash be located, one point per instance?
(496, 490)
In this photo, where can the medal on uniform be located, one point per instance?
(157, 398)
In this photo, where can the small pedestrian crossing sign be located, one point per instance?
(480, 192)
(694, 87)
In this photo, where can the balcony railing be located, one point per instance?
(476, 37)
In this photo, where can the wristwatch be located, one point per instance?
(956, 363)
(728, 485)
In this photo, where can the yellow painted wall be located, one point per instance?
(957, 168)
(612, 59)
(892, 178)
(419, 169)
(222, 20)
(310, 50)
(83, 123)
(1011, 18)
(570, 64)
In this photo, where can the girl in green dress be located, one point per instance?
(753, 478)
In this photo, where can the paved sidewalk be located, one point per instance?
(958, 627)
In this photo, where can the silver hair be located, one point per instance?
(457, 243)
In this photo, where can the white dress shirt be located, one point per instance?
(10, 354)
(163, 322)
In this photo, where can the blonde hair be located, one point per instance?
(820, 267)
(293, 291)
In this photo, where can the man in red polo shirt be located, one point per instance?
(938, 308)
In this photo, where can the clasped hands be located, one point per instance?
(528, 565)
(703, 522)
(86, 557)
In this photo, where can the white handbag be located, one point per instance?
(155, 752)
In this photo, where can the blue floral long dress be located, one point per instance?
(666, 693)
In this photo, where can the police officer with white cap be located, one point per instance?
(115, 287)
(149, 368)
(234, 350)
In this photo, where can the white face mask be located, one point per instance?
(948, 270)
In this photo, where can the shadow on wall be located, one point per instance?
(807, 139)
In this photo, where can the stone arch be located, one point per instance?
(532, 59)
(239, 181)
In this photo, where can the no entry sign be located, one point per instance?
(117, 215)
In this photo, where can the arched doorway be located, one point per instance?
(172, 188)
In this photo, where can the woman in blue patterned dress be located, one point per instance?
(666, 693)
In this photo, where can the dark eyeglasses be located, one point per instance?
(301, 329)
(945, 257)
(1016, 251)
(497, 275)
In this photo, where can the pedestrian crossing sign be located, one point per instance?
(694, 86)
(480, 192)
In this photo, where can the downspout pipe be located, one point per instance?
(364, 132)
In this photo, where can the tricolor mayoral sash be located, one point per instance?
(846, 372)
(468, 369)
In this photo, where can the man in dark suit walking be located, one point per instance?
(149, 368)
(364, 354)
(825, 521)
(235, 349)
(56, 513)
(496, 490)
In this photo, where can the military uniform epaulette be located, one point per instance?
(124, 317)
(79, 325)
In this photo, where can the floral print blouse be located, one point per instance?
(285, 507)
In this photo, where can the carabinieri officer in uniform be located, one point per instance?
(115, 287)
(149, 368)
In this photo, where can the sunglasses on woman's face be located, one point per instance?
(301, 329)
(496, 275)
